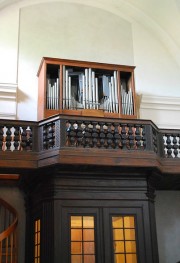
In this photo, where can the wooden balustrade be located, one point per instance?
(16, 135)
(63, 131)
(113, 135)
(8, 223)
(171, 143)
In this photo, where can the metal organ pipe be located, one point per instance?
(127, 102)
(52, 94)
(64, 88)
(89, 98)
(96, 90)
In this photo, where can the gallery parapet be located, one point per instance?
(62, 131)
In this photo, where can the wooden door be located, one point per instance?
(102, 235)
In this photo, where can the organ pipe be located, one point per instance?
(85, 92)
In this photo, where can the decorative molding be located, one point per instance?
(160, 102)
(8, 91)
(10, 116)
(8, 99)
(164, 111)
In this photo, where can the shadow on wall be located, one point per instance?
(138, 103)
(22, 96)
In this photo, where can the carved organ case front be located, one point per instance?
(85, 89)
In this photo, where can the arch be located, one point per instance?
(121, 8)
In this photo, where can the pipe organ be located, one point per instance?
(85, 88)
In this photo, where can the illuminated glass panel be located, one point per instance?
(124, 239)
(37, 228)
(82, 239)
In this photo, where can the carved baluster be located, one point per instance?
(79, 133)
(51, 135)
(16, 138)
(1, 137)
(168, 146)
(94, 134)
(87, 134)
(175, 146)
(29, 139)
(45, 137)
(83, 142)
(109, 135)
(8, 138)
(131, 136)
(154, 140)
(138, 136)
(123, 135)
(68, 130)
(143, 136)
(117, 137)
(90, 133)
(23, 139)
(73, 134)
(102, 135)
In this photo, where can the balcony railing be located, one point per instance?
(63, 132)
(8, 224)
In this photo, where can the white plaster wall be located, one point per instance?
(86, 32)
(9, 26)
(168, 225)
(157, 72)
(71, 31)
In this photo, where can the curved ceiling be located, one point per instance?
(162, 16)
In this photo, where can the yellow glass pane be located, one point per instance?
(76, 259)
(129, 222)
(38, 225)
(131, 258)
(76, 221)
(36, 228)
(38, 248)
(129, 234)
(88, 247)
(119, 258)
(89, 259)
(130, 246)
(88, 234)
(118, 234)
(118, 247)
(117, 222)
(35, 239)
(35, 250)
(76, 247)
(88, 221)
(76, 234)
(38, 237)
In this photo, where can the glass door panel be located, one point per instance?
(81, 235)
(103, 235)
(123, 236)
(124, 239)
(82, 239)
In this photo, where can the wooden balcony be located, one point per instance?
(77, 141)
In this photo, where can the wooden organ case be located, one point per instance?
(112, 204)
(85, 89)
